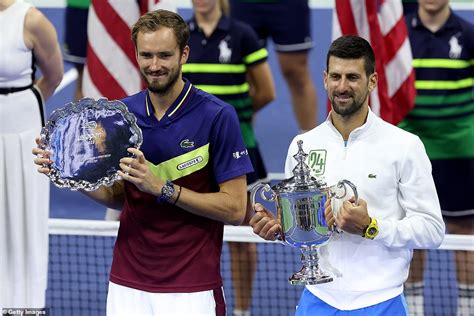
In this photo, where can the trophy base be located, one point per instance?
(309, 277)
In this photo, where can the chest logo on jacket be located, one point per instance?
(317, 161)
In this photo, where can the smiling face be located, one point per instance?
(347, 85)
(159, 58)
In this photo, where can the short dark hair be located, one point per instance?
(353, 47)
(152, 21)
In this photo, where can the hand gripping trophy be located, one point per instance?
(299, 204)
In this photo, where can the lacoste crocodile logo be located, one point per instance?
(372, 176)
(186, 143)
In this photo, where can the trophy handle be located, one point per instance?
(265, 189)
(342, 184)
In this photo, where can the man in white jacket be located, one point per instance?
(398, 210)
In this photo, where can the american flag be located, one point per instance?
(111, 69)
(381, 22)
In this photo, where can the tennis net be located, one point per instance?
(80, 254)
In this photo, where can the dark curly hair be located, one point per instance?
(152, 21)
(353, 47)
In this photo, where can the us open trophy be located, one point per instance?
(300, 208)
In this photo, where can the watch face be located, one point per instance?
(166, 193)
(372, 230)
(168, 190)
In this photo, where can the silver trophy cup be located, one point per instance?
(300, 208)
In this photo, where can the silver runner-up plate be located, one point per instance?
(87, 139)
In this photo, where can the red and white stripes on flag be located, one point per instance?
(381, 22)
(111, 69)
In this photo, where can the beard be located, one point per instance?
(353, 108)
(163, 88)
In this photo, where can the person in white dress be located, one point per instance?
(27, 40)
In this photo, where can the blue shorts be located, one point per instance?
(310, 305)
(286, 22)
(75, 37)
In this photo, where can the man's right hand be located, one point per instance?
(42, 158)
(264, 223)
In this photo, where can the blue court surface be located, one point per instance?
(275, 128)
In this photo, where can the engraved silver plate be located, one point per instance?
(87, 139)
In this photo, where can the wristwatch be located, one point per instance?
(372, 229)
(167, 192)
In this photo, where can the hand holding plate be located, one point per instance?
(42, 157)
(136, 170)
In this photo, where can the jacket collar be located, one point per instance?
(360, 131)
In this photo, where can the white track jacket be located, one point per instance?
(392, 172)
